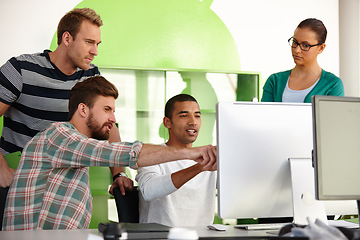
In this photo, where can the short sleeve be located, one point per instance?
(10, 81)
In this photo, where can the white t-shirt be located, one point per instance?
(193, 204)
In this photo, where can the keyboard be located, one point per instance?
(262, 226)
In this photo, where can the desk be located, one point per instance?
(230, 232)
(83, 234)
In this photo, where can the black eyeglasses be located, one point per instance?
(303, 46)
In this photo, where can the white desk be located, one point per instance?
(83, 234)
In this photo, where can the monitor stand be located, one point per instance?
(305, 206)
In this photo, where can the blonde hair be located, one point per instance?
(71, 21)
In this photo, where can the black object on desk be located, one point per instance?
(112, 231)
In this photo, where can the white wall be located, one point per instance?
(29, 26)
(350, 46)
(259, 27)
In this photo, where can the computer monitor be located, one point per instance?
(254, 143)
(336, 147)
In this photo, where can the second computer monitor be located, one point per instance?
(337, 147)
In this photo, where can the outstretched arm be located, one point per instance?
(155, 154)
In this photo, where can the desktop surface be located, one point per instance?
(94, 234)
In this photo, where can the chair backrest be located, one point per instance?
(127, 205)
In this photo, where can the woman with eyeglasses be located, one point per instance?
(307, 78)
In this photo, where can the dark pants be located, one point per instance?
(3, 194)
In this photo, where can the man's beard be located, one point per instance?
(96, 129)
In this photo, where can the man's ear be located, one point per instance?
(66, 38)
(83, 109)
(167, 122)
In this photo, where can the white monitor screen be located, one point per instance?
(254, 143)
(337, 147)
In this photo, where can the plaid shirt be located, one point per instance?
(50, 188)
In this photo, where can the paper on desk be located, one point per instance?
(91, 236)
(94, 237)
(343, 223)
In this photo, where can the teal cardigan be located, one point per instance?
(328, 84)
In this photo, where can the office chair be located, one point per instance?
(127, 206)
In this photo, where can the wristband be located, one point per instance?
(118, 175)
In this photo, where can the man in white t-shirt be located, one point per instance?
(178, 193)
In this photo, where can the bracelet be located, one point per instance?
(118, 175)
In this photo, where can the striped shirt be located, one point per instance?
(37, 92)
(50, 188)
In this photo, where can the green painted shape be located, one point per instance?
(247, 87)
(163, 34)
(100, 179)
(199, 87)
(13, 159)
(100, 210)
